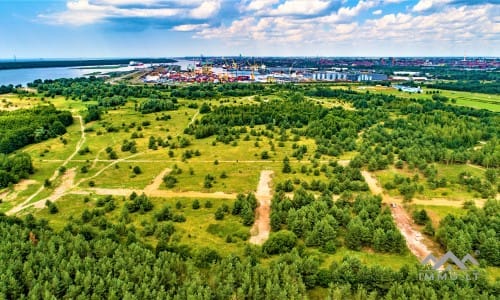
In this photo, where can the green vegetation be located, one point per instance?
(23, 127)
(475, 231)
(167, 201)
(14, 168)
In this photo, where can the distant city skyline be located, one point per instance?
(307, 28)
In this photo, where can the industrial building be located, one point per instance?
(347, 76)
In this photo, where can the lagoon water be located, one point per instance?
(24, 76)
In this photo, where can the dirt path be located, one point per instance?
(113, 162)
(414, 239)
(373, 184)
(67, 182)
(96, 159)
(261, 228)
(22, 185)
(155, 193)
(157, 181)
(193, 118)
(78, 146)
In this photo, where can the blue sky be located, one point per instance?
(165, 28)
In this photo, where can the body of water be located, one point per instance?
(24, 76)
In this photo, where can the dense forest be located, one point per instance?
(111, 263)
(26, 126)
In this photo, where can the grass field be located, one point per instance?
(453, 191)
(474, 100)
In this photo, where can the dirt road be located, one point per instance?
(153, 193)
(414, 239)
(67, 182)
(261, 228)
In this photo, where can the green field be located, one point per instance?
(474, 100)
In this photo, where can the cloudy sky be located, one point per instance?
(160, 28)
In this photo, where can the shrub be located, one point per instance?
(280, 242)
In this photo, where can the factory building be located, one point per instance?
(344, 76)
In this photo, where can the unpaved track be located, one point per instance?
(155, 193)
(414, 239)
(78, 146)
(67, 182)
(261, 228)
(18, 187)
(157, 181)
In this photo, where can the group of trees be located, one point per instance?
(6, 89)
(245, 206)
(92, 88)
(14, 167)
(474, 233)
(156, 105)
(26, 126)
(320, 222)
(111, 263)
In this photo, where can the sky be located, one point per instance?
(175, 28)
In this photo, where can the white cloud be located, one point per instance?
(465, 24)
(189, 27)
(206, 9)
(124, 2)
(301, 7)
(424, 5)
(260, 4)
(282, 25)
(85, 12)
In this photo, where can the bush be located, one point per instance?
(52, 207)
(137, 170)
(196, 204)
(169, 181)
(420, 217)
(219, 214)
(280, 242)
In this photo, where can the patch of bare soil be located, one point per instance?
(372, 183)
(262, 226)
(67, 182)
(414, 239)
(18, 187)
